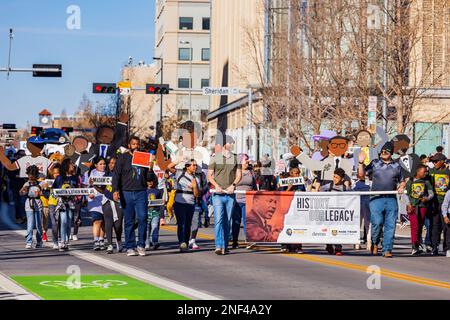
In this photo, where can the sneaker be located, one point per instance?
(119, 246)
(435, 253)
(147, 247)
(55, 246)
(75, 237)
(387, 254)
(218, 251)
(184, 247)
(207, 223)
(71, 237)
(415, 252)
(141, 251)
(39, 245)
(110, 249)
(44, 236)
(429, 249)
(448, 254)
(193, 245)
(284, 248)
(131, 253)
(374, 250)
(339, 253)
(96, 246)
(235, 244)
(29, 246)
(156, 246)
(102, 245)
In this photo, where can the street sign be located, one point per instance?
(47, 70)
(224, 91)
(124, 85)
(125, 91)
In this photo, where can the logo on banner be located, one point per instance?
(289, 232)
(334, 233)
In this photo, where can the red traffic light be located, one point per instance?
(157, 89)
(108, 88)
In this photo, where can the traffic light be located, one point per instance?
(157, 88)
(106, 88)
(36, 130)
(45, 74)
(67, 130)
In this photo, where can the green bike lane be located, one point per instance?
(52, 275)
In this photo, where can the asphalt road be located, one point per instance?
(262, 273)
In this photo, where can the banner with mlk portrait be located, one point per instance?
(288, 217)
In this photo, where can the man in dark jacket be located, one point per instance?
(129, 184)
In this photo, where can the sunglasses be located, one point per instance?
(340, 145)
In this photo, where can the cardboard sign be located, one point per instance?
(102, 181)
(294, 181)
(73, 192)
(156, 203)
(50, 182)
(141, 159)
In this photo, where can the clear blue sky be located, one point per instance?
(111, 31)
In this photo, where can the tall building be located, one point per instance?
(139, 105)
(182, 51)
(237, 61)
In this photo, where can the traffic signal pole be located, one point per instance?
(41, 71)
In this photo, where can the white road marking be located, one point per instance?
(17, 291)
(136, 273)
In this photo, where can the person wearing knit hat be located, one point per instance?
(387, 175)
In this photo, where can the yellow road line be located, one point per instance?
(342, 264)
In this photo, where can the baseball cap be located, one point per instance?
(438, 157)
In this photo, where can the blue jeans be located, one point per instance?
(428, 234)
(65, 218)
(384, 211)
(184, 213)
(135, 207)
(153, 230)
(34, 220)
(238, 216)
(223, 212)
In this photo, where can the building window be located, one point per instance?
(205, 54)
(184, 54)
(186, 23)
(205, 24)
(183, 83)
(205, 83)
(183, 114)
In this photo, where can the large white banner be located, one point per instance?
(283, 217)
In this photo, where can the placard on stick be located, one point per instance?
(141, 159)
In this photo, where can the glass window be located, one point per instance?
(186, 23)
(205, 54)
(205, 24)
(183, 54)
(205, 83)
(183, 83)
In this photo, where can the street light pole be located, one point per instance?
(190, 76)
(190, 81)
(162, 81)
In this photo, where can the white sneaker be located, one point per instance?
(75, 237)
(141, 251)
(55, 246)
(29, 246)
(448, 254)
(193, 244)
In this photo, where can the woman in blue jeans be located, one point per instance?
(66, 205)
(187, 191)
(247, 183)
(33, 206)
